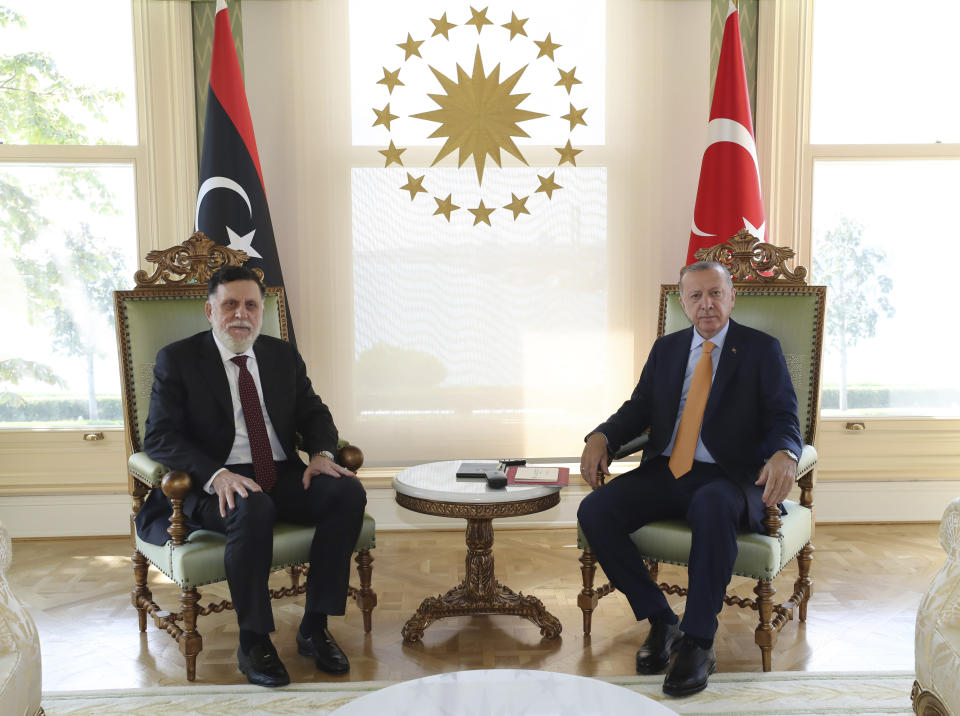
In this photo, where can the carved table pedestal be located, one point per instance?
(433, 489)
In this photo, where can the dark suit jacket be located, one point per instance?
(190, 424)
(751, 412)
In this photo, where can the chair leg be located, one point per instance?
(365, 596)
(141, 593)
(804, 585)
(588, 598)
(191, 643)
(766, 634)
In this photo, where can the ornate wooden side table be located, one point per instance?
(433, 489)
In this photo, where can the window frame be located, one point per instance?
(165, 176)
(881, 448)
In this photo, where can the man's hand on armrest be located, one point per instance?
(226, 484)
(594, 459)
(777, 477)
(321, 464)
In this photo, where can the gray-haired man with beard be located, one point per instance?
(226, 407)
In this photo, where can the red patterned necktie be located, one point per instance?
(684, 447)
(265, 473)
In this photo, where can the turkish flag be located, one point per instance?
(232, 201)
(728, 197)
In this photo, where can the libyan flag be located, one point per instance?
(232, 201)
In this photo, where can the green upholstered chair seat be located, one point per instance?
(200, 560)
(758, 556)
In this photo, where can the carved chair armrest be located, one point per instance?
(176, 486)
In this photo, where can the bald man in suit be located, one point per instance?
(745, 458)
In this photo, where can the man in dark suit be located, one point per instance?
(717, 467)
(226, 407)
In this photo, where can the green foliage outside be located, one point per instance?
(34, 97)
(856, 294)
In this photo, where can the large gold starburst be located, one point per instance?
(479, 115)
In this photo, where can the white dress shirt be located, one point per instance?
(240, 453)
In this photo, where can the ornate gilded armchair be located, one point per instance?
(777, 301)
(168, 305)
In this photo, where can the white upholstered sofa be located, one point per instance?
(936, 691)
(19, 647)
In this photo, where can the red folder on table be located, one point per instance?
(537, 475)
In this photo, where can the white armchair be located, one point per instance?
(19, 646)
(936, 692)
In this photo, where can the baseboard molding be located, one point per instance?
(34, 516)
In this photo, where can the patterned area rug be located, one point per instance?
(773, 694)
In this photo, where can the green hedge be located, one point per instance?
(878, 396)
(58, 409)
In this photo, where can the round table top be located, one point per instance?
(438, 481)
(504, 691)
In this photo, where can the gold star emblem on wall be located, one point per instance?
(393, 154)
(478, 19)
(442, 27)
(478, 115)
(515, 26)
(415, 185)
(383, 116)
(547, 185)
(411, 48)
(547, 47)
(445, 206)
(481, 213)
(465, 110)
(390, 79)
(518, 205)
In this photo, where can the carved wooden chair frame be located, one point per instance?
(183, 270)
(756, 267)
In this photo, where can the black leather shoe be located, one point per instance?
(262, 666)
(654, 655)
(324, 650)
(690, 670)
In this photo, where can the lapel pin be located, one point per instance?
(733, 350)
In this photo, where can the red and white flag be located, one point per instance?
(728, 197)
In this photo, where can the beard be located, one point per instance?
(236, 345)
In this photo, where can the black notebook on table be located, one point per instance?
(475, 470)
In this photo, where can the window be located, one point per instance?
(475, 327)
(884, 185)
(68, 130)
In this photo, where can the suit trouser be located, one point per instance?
(334, 505)
(712, 504)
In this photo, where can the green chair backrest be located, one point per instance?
(792, 313)
(149, 319)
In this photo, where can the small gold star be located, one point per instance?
(515, 26)
(442, 27)
(575, 116)
(411, 47)
(567, 154)
(414, 186)
(393, 154)
(517, 206)
(479, 19)
(567, 79)
(445, 206)
(383, 116)
(546, 47)
(548, 185)
(481, 213)
(390, 79)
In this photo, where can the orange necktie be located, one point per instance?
(681, 459)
